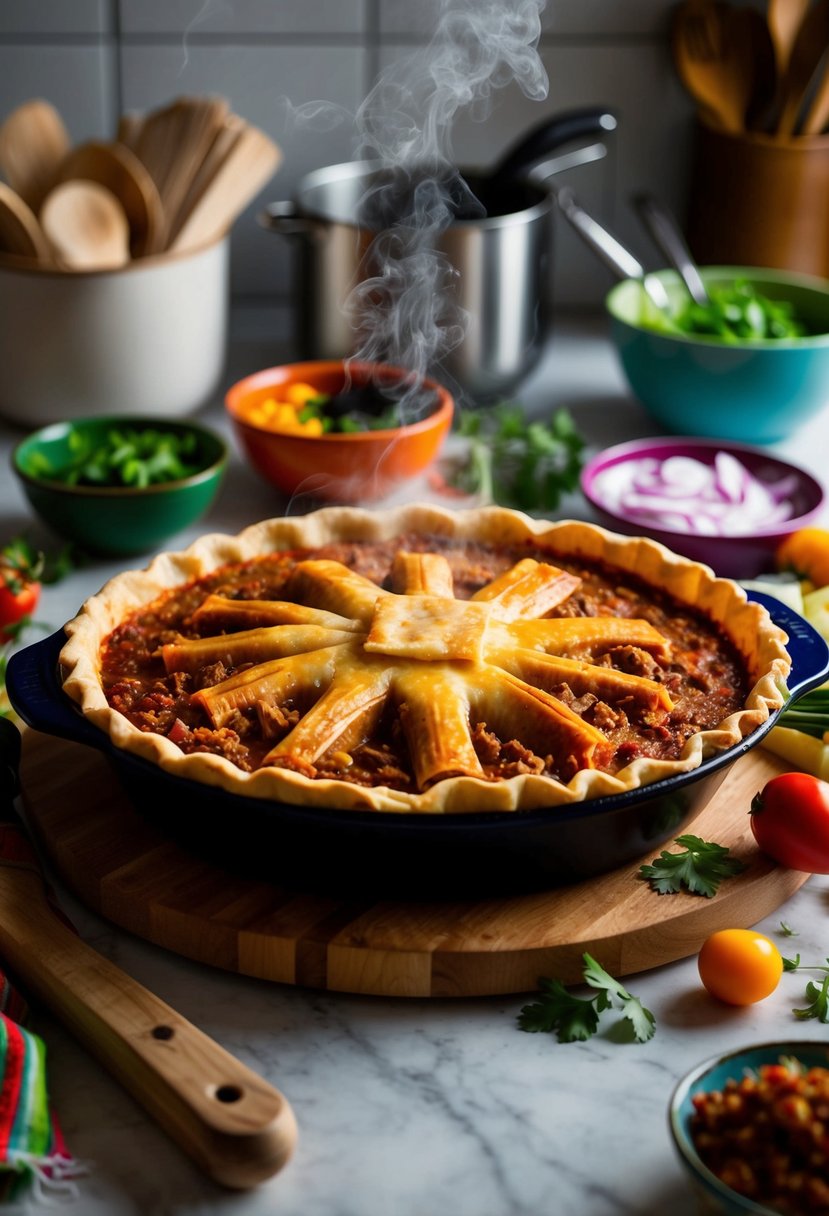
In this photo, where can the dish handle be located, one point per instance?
(807, 648)
(35, 693)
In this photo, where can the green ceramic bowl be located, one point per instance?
(715, 1196)
(117, 521)
(754, 392)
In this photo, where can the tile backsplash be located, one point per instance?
(96, 58)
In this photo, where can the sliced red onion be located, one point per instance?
(687, 495)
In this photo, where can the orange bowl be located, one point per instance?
(355, 466)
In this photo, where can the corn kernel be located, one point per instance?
(300, 394)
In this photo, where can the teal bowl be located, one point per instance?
(117, 521)
(753, 392)
(715, 1196)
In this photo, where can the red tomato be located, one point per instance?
(790, 821)
(18, 599)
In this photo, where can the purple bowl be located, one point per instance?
(743, 556)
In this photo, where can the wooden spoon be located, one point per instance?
(784, 18)
(715, 55)
(807, 53)
(129, 128)
(33, 142)
(251, 162)
(86, 226)
(20, 232)
(114, 166)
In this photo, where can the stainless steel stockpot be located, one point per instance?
(502, 257)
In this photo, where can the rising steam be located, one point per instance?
(403, 310)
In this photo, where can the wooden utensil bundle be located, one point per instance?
(173, 179)
(748, 73)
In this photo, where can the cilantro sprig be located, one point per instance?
(576, 1018)
(817, 994)
(516, 461)
(700, 866)
(737, 312)
(125, 456)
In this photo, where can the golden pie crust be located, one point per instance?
(398, 633)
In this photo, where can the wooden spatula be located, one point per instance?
(225, 140)
(235, 1126)
(174, 141)
(33, 142)
(250, 163)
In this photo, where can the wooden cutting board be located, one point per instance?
(122, 867)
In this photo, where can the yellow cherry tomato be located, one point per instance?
(806, 551)
(740, 966)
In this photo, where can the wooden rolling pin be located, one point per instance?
(235, 1126)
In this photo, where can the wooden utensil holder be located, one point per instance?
(757, 200)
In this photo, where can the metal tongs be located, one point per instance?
(662, 227)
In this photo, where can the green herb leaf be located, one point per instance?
(641, 1019)
(787, 930)
(571, 1017)
(791, 964)
(126, 456)
(818, 997)
(575, 1018)
(517, 461)
(700, 867)
(737, 312)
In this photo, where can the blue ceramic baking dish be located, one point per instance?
(405, 854)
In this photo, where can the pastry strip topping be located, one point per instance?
(340, 660)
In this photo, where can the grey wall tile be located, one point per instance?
(324, 17)
(600, 18)
(268, 86)
(77, 80)
(597, 19)
(22, 17)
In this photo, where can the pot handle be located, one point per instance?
(284, 218)
(807, 648)
(550, 135)
(36, 695)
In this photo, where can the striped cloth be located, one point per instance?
(32, 1148)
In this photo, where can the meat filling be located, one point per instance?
(704, 675)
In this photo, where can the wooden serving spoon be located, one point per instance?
(784, 18)
(129, 129)
(716, 67)
(86, 226)
(116, 167)
(237, 1127)
(33, 142)
(20, 232)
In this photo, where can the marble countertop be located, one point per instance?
(414, 1107)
